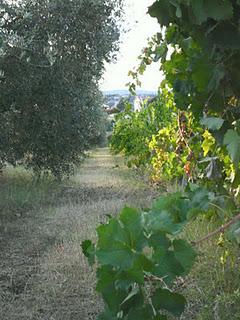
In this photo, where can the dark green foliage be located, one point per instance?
(134, 249)
(51, 59)
(167, 300)
(141, 253)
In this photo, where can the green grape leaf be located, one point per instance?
(134, 292)
(113, 298)
(143, 263)
(226, 35)
(163, 222)
(136, 273)
(168, 214)
(175, 204)
(237, 235)
(132, 223)
(185, 254)
(113, 246)
(176, 4)
(159, 240)
(112, 231)
(233, 233)
(218, 75)
(201, 74)
(118, 255)
(133, 299)
(218, 9)
(198, 10)
(167, 266)
(212, 123)
(232, 141)
(163, 11)
(107, 315)
(141, 313)
(106, 276)
(200, 199)
(215, 9)
(164, 299)
(88, 249)
(125, 279)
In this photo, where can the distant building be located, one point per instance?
(112, 99)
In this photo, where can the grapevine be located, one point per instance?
(199, 52)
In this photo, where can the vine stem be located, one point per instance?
(222, 229)
(181, 133)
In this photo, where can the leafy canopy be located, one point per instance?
(52, 56)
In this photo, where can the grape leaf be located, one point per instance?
(88, 249)
(112, 231)
(113, 246)
(141, 313)
(107, 315)
(232, 141)
(132, 223)
(136, 273)
(162, 221)
(167, 266)
(184, 253)
(113, 298)
(200, 199)
(169, 301)
(163, 11)
(118, 255)
(218, 9)
(225, 35)
(133, 299)
(234, 232)
(218, 75)
(215, 9)
(198, 10)
(106, 276)
(159, 239)
(168, 214)
(134, 292)
(212, 123)
(201, 74)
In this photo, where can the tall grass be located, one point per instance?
(21, 191)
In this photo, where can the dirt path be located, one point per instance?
(43, 274)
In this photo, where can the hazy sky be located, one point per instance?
(142, 27)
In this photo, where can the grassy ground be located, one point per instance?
(213, 287)
(43, 274)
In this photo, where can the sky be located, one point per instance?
(142, 26)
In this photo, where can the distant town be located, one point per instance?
(113, 98)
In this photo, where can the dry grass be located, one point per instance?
(43, 274)
(213, 287)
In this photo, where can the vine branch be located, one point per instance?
(222, 229)
(181, 132)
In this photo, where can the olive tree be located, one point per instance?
(52, 55)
